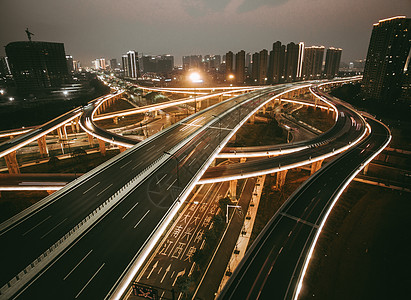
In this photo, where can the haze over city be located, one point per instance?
(91, 29)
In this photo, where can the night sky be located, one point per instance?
(108, 28)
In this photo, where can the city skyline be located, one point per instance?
(203, 27)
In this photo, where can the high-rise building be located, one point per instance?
(37, 65)
(254, 67)
(113, 63)
(240, 67)
(229, 63)
(275, 73)
(165, 63)
(124, 64)
(133, 69)
(332, 62)
(386, 59)
(70, 64)
(262, 66)
(192, 62)
(291, 62)
(313, 62)
(301, 49)
(99, 64)
(248, 59)
(4, 66)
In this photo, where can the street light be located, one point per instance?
(178, 166)
(195, 77)
(231, 77)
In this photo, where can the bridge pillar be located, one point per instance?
(198, 105)
(90, 139)
(62, 133)
(315, 166)
(43, 146)
(365, 170)
(102, 147)
(281, 179)
(115, 120)
(243, 159)
(12, 163)
(252, 119)
(233, 188)
(77, 124)
(220, 98)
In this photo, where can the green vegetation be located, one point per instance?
(315, 117)
(260, 134)
(395, 110)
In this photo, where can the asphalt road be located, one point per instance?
(273, 265)
(131, 222)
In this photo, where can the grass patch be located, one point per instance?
(315, 117)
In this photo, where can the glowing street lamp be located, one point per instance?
(195, 77)
(231, 77)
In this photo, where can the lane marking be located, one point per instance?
(36, 225)
(141, 219)
(161, 179)
(137, 165)
(90, 280)
(104, 189)
(77, 264)
(150, 148)
(129, 211)
(125, 164)
(53, 228)
(171, 184)
(192, 161)
(206, 146)
(92, 187)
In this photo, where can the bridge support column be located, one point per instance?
(77, 124)
(43, 146)
(12, 163)
(365, 170)
(252, 119)
(61, 131)
(243, 159)
(90, 139)
(102, 147)
(198, 105)
(220, 98)
(281, 179)
(115, 120)
(315, 166)
(233, 188)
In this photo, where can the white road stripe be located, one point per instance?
(92, 187)
(171, 184)
(141, 219)
(78, 264)
(161, 179)
(104, 189)
(137, 165)
(125, 164)
(53, 228)
(89, 281)
(36, 225)
(192, 161)
(129, 211)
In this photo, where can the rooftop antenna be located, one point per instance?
(29, 34)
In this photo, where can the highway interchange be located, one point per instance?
(115, 246)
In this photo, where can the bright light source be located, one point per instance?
(231, 76)
(11, 98)
(65, 93)
(2, 92)
(195, 77)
